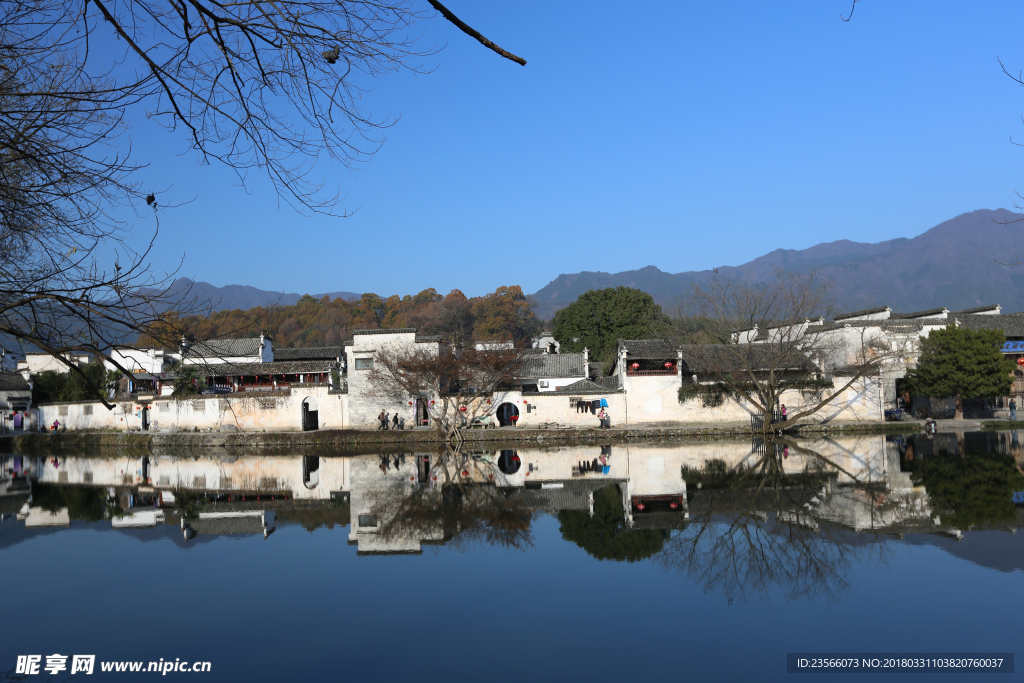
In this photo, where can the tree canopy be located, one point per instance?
(51, 386)
(599, 318)
(503, 314)
(963, 363)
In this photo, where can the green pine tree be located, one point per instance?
(962, 363)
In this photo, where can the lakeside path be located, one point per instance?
(356, 439)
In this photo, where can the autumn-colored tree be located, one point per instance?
(505, 314)
(328, 322)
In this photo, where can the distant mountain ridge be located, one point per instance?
(953, 264)
(244, 297)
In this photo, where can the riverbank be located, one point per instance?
(334, 441)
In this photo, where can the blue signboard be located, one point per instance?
(1013, 347)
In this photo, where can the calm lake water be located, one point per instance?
(641, 562)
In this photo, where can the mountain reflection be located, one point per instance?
(744, 519)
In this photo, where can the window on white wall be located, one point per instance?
(364, 363)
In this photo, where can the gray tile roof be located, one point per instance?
(741, 500)
(650, 349)
(920, 314)
(586, 386)
(310, 353)
(1011, 324)
(551, 365)
(264, 369)
(717, 358)
(979, 309)
(225, 348)
(403, 330)
(660, 520)
(12, 381)
(226, 525)
(867, 311)
(574, 495)
(899, 325)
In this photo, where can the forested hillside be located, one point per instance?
(503, 314)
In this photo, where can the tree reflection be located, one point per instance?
(453, 499)
(970, 479)
(604, 534)
(761, 529)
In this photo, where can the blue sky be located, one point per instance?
(683, 135)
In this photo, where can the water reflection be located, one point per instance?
(745, 519)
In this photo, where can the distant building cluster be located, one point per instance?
(247, 384)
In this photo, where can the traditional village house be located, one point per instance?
(15, 402)
(894, 339)
(364, 406)
(35, 363)
(146, 365)
(249, 350)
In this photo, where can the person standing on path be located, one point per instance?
(382, 417)
(784, 417)
(394, 422)
(1013, 409)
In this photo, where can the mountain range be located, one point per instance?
(964, 262)
(230, 297)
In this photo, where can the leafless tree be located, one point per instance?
(456, 383)
(761, 339)
(459, 502)
(267, 86)
(758, 529)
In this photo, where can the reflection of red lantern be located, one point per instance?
(673, 505)
(465, 473)
(462, 408)
(635, 366)
(668, 364)
(640, 506)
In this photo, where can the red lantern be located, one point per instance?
(465, 473)
(515, 417)
(410, 402)
(431, 403)
(1020, 361)
(668, 364)
(635, 365)
(462, 408)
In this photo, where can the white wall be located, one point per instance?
(363, 406)
(145, 360)
(251, 412)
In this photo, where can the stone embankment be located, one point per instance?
(355, 440)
